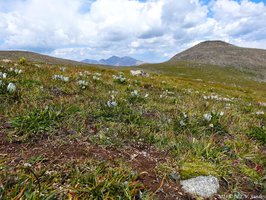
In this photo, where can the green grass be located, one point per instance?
(169, 119)
(92, 180)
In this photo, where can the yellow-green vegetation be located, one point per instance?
(91, 133)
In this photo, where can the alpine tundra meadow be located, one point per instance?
(184, 119)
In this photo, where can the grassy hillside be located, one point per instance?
(35, 57)
(223, 54)
(213, 75)
(91, 133)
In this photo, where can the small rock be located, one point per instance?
(139, 73)
(204, 186)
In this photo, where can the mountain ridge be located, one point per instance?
(223, 54)
(115, 61)
(37, 57)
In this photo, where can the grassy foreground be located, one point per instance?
(87, 133)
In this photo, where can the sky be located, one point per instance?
(149, 30)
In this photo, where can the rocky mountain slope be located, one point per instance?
(227, 55)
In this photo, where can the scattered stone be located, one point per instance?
(6, 60)
(203, 186)
(139, 73)
(262, 104)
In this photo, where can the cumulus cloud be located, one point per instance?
(152, 30)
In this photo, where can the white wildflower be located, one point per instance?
(120, 78)
(112, 103)
(113, 92)
(221, 113)
(260, 113)
(146, 96)
(65, 79)
(97, 74)
(3, 75)
(182, 123)
(11, 87)
(134, 93)
(96, 78)
(184, 115)
(207, 117)
(27, 165)
(62, 69)
(83, 83)
(61, 77)
(18, 71)
(217, 98)
(50, 172)
(211, 125)
(170, 93)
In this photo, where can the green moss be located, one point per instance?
(252, 173)
(197, 168)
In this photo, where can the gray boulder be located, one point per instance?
(203, 186)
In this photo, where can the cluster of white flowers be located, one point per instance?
(3, 75)
(207, 117)
(217, 98)
(166, 93)
(27, 165)
(62, 69)
(61, 78)
(260, 113)
(134, 93)
(113, 92)
(96, 76)
(182, 123)
(83, 84)
(11, 88)
(16, 71)
(120, 78)
(83, 74)
(112, 102)
(189, 91)
(37, 65)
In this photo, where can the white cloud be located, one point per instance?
(152, 30)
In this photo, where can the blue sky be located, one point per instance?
(149, 30)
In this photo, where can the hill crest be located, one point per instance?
(222, 54)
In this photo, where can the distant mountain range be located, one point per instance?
(115, 61)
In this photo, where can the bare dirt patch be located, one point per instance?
(141, 160)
